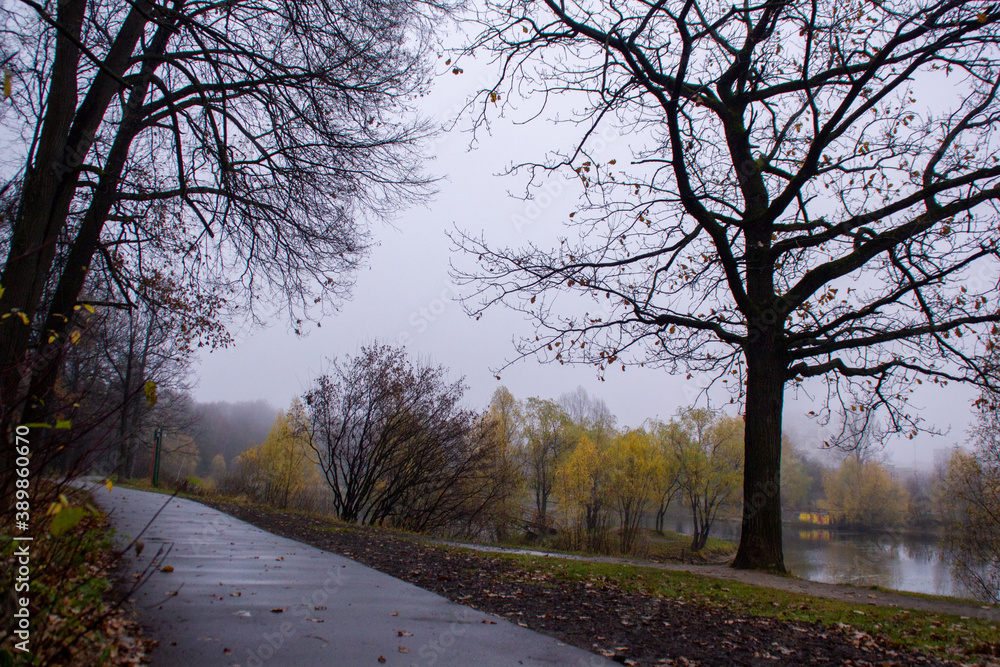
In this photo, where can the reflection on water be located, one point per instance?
(814, 535)
(907, 563)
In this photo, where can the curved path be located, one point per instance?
(237, 595)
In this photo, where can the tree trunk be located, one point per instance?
(50, 182)
(760, 542)
(694, 527)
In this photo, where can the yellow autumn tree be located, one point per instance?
(668, 439)
(580, 487)
(282, 466)
(863, 494)
(217, 469)
(710, 461)
(634, 470)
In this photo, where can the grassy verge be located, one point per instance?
(927, 596)
(941, 634)
(74, 617)
(673, 546)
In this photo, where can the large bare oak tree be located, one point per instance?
(804, 189)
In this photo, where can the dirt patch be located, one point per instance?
(628, 627)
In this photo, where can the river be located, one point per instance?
(906, 563)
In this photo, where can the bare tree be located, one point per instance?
(811, 193)
(227, 151)
(140, 346)
(395, 445)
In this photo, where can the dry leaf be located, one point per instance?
(167, 568)
(403, 649)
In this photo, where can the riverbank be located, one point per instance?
(656, 613)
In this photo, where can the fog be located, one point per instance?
(404, 294)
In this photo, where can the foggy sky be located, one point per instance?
(404, 294)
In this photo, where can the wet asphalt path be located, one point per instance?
(238, 595)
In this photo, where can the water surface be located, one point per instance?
(905, 563)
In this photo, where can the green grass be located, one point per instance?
(336, 529)
(677, 547)
(941, 634)
(927, 596)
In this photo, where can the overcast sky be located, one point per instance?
(405, 295)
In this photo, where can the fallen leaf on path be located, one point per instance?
(403, 633)
(381, 659)
(403, 649)
(277, 610)
(167, 568)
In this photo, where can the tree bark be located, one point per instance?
(43, 196)
(760, 541)
(50, 183)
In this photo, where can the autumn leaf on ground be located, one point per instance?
(167, 568)
(403, 633)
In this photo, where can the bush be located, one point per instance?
(75, 614)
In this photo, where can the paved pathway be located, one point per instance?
(220, 604)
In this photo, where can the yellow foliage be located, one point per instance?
(863, 494)
(710, 467)
(283, 464)
(634, 472)
(580, 479)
